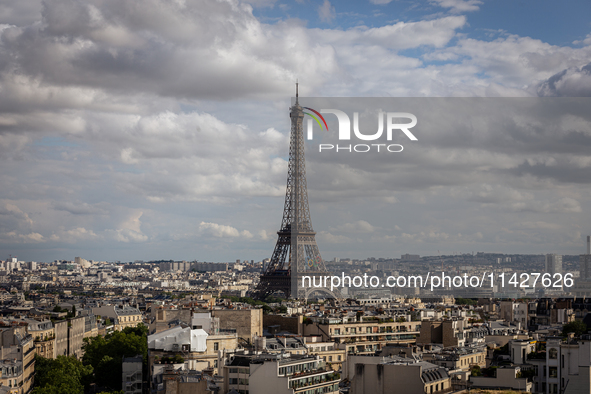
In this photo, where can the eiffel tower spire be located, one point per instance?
(296, 252)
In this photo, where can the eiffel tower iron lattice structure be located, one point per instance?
(296, 252)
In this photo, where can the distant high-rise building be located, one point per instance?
(554, 264)
(410, 257)
(585, 262)
(83, 263)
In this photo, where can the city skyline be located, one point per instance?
(122, 138)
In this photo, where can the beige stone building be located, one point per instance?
(126, 316)
(379, 375)
(329, 352)
(162, 317)
(43, 334)
(449, 333)
(69, 337)
(17, 352)
(197, 349)
(364, 336)
(458, 358)
(248, 323)
(278, 374)
(11, 376)
(506, 377)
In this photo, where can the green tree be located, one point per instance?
(502, 350)
(282, 309)
(62, 375)
(105, 354)
(140, 330)
(578, 327)
(466, 301)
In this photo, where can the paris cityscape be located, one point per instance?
(195, 198)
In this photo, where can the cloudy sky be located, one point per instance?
(158, 129)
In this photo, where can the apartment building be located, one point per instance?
(121, 317)
(457, 359)
(248, 323)
(282, 373)
(448, 333)
(43, 334)
(195, 347)
(515, 312)
(365, 336)
(330, 353)
(69, 337)
(17, 361)
(131, 376)
(12, 376)
(378, 375)
(565, 366)
(506, 377)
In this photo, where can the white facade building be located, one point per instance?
(179, 339)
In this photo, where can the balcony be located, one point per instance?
(365, 334)
(313, 378)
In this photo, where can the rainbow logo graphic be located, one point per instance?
(315, 118)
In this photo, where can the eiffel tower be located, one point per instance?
(296, 252)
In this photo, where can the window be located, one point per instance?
(553, 353)
(339, 358)
(553, 372)
(216, 346)
(562, 361)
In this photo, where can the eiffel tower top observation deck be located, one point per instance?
(296, 252)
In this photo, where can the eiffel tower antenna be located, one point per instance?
(296, 252)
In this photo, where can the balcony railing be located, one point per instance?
(227, 331)
(310, 379)
(365, 334)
